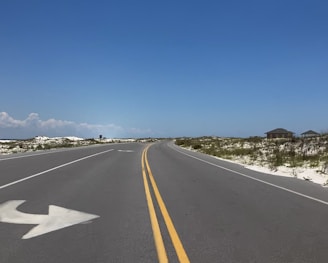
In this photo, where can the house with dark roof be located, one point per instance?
(310, 133)
(279, 133)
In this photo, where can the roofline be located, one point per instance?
(274, 131)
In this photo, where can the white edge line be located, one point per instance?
(29, 155)
(255, 179)
(52, 169)
(44, 152)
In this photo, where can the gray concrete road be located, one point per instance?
(156, 204)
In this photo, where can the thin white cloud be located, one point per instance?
(33, 125)
(8, 122)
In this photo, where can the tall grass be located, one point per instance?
(311, 152)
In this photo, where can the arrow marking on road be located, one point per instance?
(57, 218)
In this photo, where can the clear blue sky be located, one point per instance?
(162, 68)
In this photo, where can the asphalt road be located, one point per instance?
(154, 203)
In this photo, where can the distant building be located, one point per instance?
(310, 133)
(279, 133)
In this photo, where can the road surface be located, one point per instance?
(156, 202)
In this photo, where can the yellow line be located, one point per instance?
(161, 252)
(181, 253)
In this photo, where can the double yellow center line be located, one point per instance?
(161, 252)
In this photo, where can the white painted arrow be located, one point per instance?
(57, 218)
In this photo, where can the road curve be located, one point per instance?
(156, 203)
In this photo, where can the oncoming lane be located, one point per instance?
(17, 167)
(104, 185)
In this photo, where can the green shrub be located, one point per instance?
(179, 142)
(197, 146)
(39, 147)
